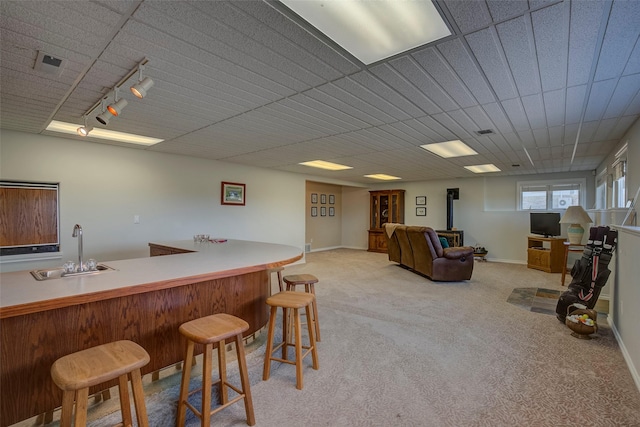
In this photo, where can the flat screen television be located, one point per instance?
(545, 223)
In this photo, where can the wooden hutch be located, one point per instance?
(385, 206)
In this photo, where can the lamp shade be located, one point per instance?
(575, 216)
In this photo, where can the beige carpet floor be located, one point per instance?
(400, 350)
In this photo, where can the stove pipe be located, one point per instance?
(452, 194)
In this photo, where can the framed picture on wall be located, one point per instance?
(314, 211)
(332, 211)
(421, 200)
(323, 199)
(314, 197)
(421, 211)
(232, 193)
(332, 199)
(323, 211)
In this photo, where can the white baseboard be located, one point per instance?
(625, 353)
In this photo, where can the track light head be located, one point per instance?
(116, 107)
(84, 130)
(140, 89)
(104, 117)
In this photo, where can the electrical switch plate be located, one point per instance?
(136, 219)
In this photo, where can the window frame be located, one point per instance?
(550, 184)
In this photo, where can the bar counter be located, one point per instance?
(144, 300)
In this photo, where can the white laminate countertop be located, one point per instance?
(209, 261)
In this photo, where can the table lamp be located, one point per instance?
(575, 216)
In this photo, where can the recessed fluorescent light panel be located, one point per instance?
(326, 165)
(483, 168)
(448, 149)
(111, 135)
(373, 30)
(383, 177)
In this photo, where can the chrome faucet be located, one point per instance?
(77, 232)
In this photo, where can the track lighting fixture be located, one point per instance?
(118, 105)
(84, 130)
(115, 108)
(140, 89)
(105, 116)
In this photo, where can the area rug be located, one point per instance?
(538, 300)
(542, 300)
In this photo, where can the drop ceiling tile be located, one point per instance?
(517, 41)
(627, 87)
(501, 10)
(488, 52)
(374, 110)
(428, 87)
(516, 114)
(584, 30)
(466, 68)
(495, 113)
(554, 107)
(469, 15)
(551, 38)
(372, 86)
(599, 97)
(534, 107)
(575, 103)
(620, 39)
(403, 86)
(433, 62)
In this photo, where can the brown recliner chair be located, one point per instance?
(434, 261)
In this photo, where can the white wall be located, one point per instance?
(102, 187)
(486, 211)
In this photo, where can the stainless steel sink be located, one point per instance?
(58, 272)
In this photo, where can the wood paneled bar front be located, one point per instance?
(143, 300)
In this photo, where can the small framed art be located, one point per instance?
(314, 197)
(332, 199)
(323, 211)
(314, 211)
(422, 211)
(323, 199)
(232, 193)
(332, 210)
(421, 200)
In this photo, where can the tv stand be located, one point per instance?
(545, 253)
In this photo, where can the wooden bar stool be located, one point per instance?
(279, 271)
(296, 301)
(208, 331)
(308, 280)
(76, 372)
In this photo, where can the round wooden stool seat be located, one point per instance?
(308, 280)
(295, 301)
(76, 372)
(207, 331)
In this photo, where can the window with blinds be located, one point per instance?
(551, 195)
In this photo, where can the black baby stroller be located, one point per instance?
(590, 272)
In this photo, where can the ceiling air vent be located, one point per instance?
(48, 64)
(484, 132)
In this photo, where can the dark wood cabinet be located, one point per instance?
(385, 206)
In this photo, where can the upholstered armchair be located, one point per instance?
(438, 263)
